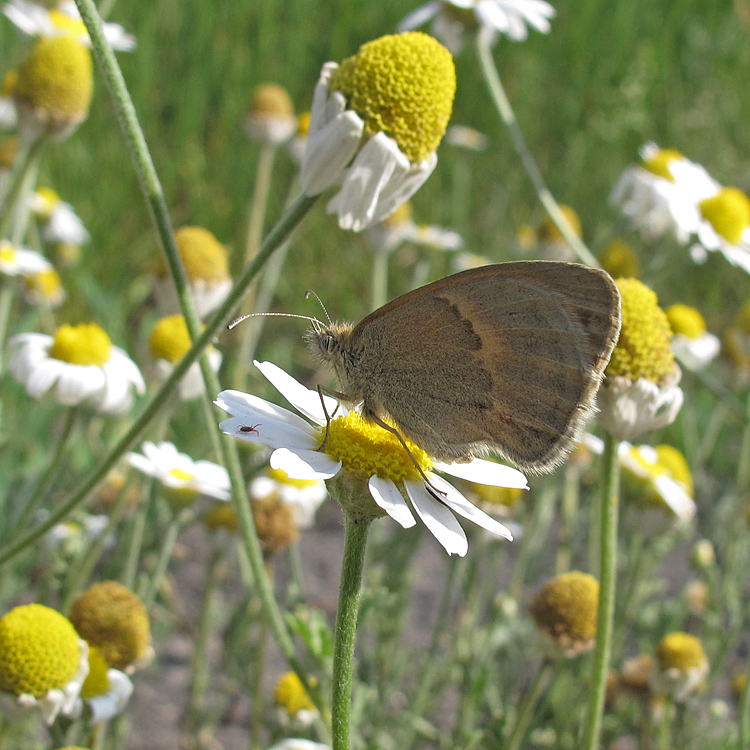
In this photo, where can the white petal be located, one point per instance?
(137, 461)
(388, 497)
(398, 191)
(485, 472)
(250, 407)
(303, 399)
(304, 464)
(42, 377)
(77, 383)
(437, 518)
(320, 114)
(459, 504)
(419, 16)
(675, 497)
(270, 433)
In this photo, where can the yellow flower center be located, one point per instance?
(170, 339)
(728, 212)
(686, 320)
(303, 124)
(9, 83)
(676, 466)
(57, 78)
(290, 693)
(203, 256)
(7, 252)
(402, 85)
(48, 199)
(366, 449)
(643, 350)
(84, 344)
(401, 216)
(280, 475)
(550, 232)
(659, 163)
(46, 284)
(182, 476)
(182, 496)
(619, 259)
(71, 26)
(270, 100)
(680, 651)
(567, 606)
(112, 618)
(39, 650)
(97, 681)
(221, 516)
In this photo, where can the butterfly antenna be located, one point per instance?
(309, 293)
(239, 320)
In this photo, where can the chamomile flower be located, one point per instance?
(375, 123)
(661, 194)
(293, 700)
(58, 219)
(305, 496)
(679, 665)
(169, 342)
(270, 115)
(43, 662)
(106, 691)
(179, 473)
(44, 288)
(19, 261)
(112, 618)
(359, 451)
(640, 391)
(78, 365)
(62, 19)
(724, 225)
(692, 344)
(450, 18)
(70, 538)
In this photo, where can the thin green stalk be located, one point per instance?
(665, 725)
(379, 279)
(259, 664)
(528, 704)
(22, 209)
(176, 524)
(137, 532)
(7, 293)
(607, 573)
(568, 513)
(501, 101)
(355, 543)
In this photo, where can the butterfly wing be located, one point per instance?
(505, 358)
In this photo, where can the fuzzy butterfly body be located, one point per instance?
(504, 358)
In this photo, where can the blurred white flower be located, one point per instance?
(58, 219)
(19, 261)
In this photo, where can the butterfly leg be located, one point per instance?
(325, 411)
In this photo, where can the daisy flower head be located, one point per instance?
(182, 478)
(169, 342)
(43, 662)
(206, 263)
(692, 344)
(565, 613)
(112, 618)
(19, 261)
(358, 454)
(45, 288)
(54, 88)
(106, 691)
(8, 114)
(270, 115)
(451, 18)
(679, 666)
(375, 124)
(661, 194)
(724, 225)
(70, 538)
(58, 219)
(62, 19)
(304, 496)
(292, 698)
(79, 365)
(640, 391)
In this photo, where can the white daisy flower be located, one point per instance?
(355, 445)
(105, 692)
(450, 18)
(375, 123)
(304, 495)
(79, 365)
(724, 225)
(692, 344)
(178, 471)
(661, 195)
(679, 666)
(270, 115)
(19, 261)
(71, 537)
(58, 219)
(44, 288)
(35, 19)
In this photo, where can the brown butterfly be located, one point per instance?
(504, 358)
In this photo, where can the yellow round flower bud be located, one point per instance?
(203, 256)
(291, 695)
(270, 114)
(686, 320)
(619, 260)
(113, 618)
(679, 651)
(170, 339)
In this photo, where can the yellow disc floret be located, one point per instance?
(56, 80)
(113, 618)
(203, 256)
(84, 344)
(46, 287)
(401, 85)
(97, 681)
(659, 163)
(550, 232)
(680, 651)
(728, 212)
(643, 349)
(73, 27)
(290, 693)
(39, 650)
(367, 450)
(619, 259)
(566, 607)
(170, 339)
(686, 320)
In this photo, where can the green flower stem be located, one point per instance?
(43, 485)
(607, 572)
(355, 543)
(138, 529)
(176, 524)
(528, 704)
(7, 293)
(259, 664)
(10, 187)
(568, 514)
(379, 280)
(665, 725)
(501, 101)
(22, 210)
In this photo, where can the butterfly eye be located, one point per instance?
(327, 342)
